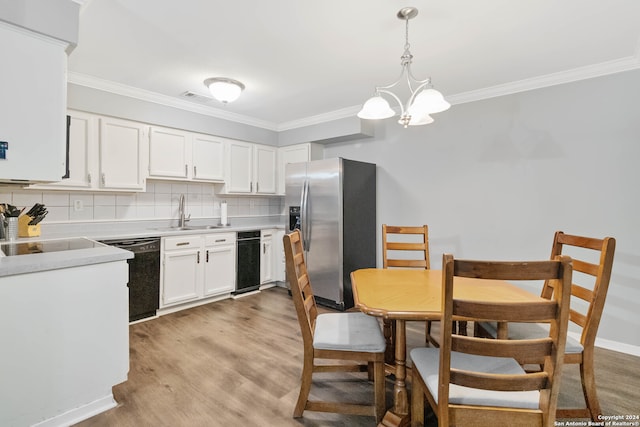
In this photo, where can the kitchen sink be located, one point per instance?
(188, 228)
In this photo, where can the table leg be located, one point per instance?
(399, 415)
(388, 329)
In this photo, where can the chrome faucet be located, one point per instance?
(181, 219)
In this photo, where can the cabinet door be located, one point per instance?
(83, 144)
(208, 158)
(240, 167)
(181, 278)
(122, 147)
(33, 101)
(220, 272)
(265, 169)
(295, 154)
(168, 151)
(266, 257)
(279, 263)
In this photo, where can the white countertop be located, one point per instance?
(31, 263)
(22, 264)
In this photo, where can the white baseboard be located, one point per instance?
(76, 415)
(620, 347)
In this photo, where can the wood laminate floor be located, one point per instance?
(238, 363)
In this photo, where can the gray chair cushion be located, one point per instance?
(348, 331)
(520, 331)
(427, 360)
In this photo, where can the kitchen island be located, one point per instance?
(64, 332)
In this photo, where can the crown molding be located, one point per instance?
(583, 73)
(596, 70)
(320, 118)
(169, 101)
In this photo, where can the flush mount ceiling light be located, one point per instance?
(424, 100)
(223, 89)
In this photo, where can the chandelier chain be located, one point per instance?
(423, 99)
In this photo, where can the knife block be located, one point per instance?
(26, 230)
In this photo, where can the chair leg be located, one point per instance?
(587, 376)
(417, 403)
(305, 387)
(379, 390)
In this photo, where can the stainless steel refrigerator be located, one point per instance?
(333, 202)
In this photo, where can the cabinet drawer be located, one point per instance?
(181, 242)
(220, 239)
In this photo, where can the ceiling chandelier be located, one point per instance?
(424, 99)
(223, 89)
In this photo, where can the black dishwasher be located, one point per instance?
(248, 261)
(144, 275)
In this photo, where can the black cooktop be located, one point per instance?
(27, 248)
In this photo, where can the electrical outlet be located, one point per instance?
(78, 205)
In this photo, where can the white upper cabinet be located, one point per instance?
(122, 158)
(251, 168)
(265, 169)
(83, 149)
(239, 167)
(208, 158)
(294, 154)
(33, 98)
(169, 150)
(175, 154)
(104, 154)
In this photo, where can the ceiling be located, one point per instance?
(302, 60)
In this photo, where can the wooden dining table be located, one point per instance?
(414, 294)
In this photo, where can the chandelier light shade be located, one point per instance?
(423, 99)
(376, 108)
(223, 89)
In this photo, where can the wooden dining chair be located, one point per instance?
(588, 294)
(405, 247)
(471, 381)
(349, 336)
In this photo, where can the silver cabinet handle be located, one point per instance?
(198, 257)
(195, 171)
(257, 187)
(104, 179)
(186, 170)
(89, 178)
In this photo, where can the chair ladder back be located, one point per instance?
(422, 245)
(478, 380)
(547, 351)
(530, 351)
(301, 290)
(601, 273)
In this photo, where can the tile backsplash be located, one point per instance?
(160, 201)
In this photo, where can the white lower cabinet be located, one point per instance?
(280, 261)
(181, 270)
(220, 262)
(196, 267)
(266, 256)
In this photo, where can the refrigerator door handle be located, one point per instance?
(304, 217)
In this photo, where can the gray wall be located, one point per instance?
(495, 179)
(54, 18)
(100, 102)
